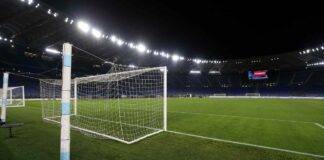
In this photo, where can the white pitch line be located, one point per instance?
(319, 125)
(223, 115)
(247, 144)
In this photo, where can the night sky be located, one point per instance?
(205, 29)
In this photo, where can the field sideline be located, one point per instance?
(198, 129)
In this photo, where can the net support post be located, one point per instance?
(65, 104)
(165, 105)
(4, 97)
(75, 96)
(23, 96)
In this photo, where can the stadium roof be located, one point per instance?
(35, 28)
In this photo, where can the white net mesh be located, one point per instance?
(15, 96)
(123, 105)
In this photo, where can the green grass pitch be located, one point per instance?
(286, 124)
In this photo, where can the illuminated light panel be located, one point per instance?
(195, 72)
(30, 2)
(175, 58)
(141, 48)
(214, 72)
(96, 33)
(83, 26)
(113, 38)
(198, 61)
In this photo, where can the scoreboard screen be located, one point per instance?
(258, 75)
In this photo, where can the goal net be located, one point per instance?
(15, 96)
(127, 105)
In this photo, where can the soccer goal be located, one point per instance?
(15, 96)
(126, 106)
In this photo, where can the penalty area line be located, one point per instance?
(247, 144)
(319, 125)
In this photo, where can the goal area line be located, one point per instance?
(246, 144)
(156, 131)
(232, 116)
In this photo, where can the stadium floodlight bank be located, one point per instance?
(126, 106)
(15, 96)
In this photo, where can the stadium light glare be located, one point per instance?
(175, 58)
(83, 26)
(96, 33)
(131, 45)
(30, 2)
(214, 72)
(141, 48)
(120, 42)
(37, 5)
(198, 61)
(131, 66)
(113, 38)
(195, 72)
(51, 50)
(49, 11)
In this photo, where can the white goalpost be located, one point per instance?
(126, 104)
(15, 96)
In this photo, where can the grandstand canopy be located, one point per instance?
(217, 31)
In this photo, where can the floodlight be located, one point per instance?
(175, 58)
(198, 61)
(113, 38)
(120, 42)
(30, 2)
(55, 14)
(96, 33)
(83, 26)
(49, 11)
(131, 45)
(37, 5)
(66, 19)
(195, 72)
(131, 66)
(214, 72)
(141, 48)
(51, 50)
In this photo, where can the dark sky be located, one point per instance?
(203, 28)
